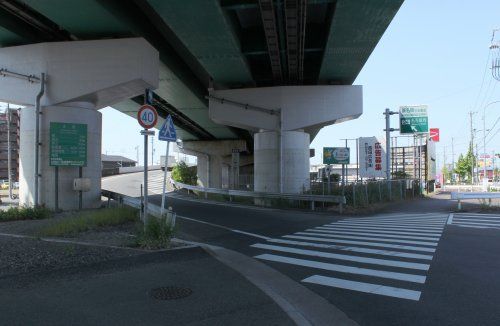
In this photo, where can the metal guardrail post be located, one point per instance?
(354, 194)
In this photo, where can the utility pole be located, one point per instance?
(472, 147)
(388, 130)
(452, 161)
(152, 150)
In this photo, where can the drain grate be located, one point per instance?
(170, 293)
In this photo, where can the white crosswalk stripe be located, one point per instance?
(387, 255)
(476, 220)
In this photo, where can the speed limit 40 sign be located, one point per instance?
(147, 116)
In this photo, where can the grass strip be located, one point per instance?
(24, 213)
(90, 220)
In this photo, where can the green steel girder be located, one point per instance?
(355, 30)
(204, 29)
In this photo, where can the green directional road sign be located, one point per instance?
(68, 144)
(413, 119)
(336, 155)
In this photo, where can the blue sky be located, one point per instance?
(433, 53)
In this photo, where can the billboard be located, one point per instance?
(371, 158)
(336, 155)
(434, 134)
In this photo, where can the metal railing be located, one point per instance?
(459, 196)
(363, 194)
(337, 199)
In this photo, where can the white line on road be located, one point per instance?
(364, 287)
(450, 219)
(473, 223)
(363, 243)
(353, 249)
(480, 220)
(343, 269)
(478, 214)
(358, 259)
(389, 227)
(224, 227)
(421, 243)
(413, 224)
(375, 234)
(379, 230)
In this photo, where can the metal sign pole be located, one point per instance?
(145, 212)
(164, 181)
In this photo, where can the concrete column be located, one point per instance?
(209, 170)
(77, 112)
(295, 161)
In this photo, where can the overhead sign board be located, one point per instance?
(167, 131)
(413, 119)
(147, 116)
(434, 134)
(336, 155)
(371, 154)
(68, 144)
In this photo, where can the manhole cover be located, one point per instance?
(170, 293)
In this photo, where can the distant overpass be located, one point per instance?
(230, 50)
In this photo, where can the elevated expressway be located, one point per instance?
(260, 76)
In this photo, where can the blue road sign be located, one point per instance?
(167, 131)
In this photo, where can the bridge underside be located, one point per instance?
(215, 43)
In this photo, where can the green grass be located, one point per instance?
(24, 213)
(156, 234)
(90, 220)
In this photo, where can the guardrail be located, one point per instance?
(473, 195)
(131, 201)
(341, 200)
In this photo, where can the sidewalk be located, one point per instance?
(118, 292)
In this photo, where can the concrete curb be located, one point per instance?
(302, 305)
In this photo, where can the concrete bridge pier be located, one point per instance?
(81, 78)
(213, 157)
(284, 119)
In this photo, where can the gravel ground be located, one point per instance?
(23, 255)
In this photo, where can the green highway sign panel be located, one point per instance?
(413, 119)
(68, 144)
(336, 155)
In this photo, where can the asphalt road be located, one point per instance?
(414, 266)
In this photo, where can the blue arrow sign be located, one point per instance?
(167, 131)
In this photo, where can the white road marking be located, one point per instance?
(421, 243)
(478, 214)
(416, 224)
(397, 236)
(379, 230)
(395, 228)
(480, 220)
(364, 287)
(373, 261)
(363, 243)
(343, 269)
(475, 223)
(450, 219)
(397, 221)
(353, 249)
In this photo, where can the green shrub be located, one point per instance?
(88, 220)
(184, 174)
(155, 235)
(24, 213)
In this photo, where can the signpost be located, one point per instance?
(167, 133)
(68, 147)
(413, 119)
(147, 118)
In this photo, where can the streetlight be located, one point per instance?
(484, 137)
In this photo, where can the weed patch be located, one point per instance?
(89, 220)
(155, 235)
(24, 213)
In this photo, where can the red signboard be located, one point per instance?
(434, 134)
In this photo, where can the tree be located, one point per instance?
(184, 174)
(465, 164)
(446, 173)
